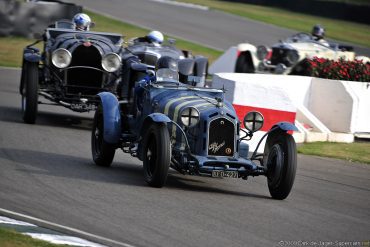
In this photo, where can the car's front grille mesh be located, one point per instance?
(221, 137)
(84, 80)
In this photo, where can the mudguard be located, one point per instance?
(158, 118)
(112, 117)
(32, 57)
(285, 126)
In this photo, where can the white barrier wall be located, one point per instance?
(226, 62)
(341, 106)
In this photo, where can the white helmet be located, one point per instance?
(82, 22)
(155, 37)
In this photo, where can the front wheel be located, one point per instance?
(157, 154)
(29, 91)
(281, 163)
(102, 152)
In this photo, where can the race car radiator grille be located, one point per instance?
(221, 137)
(84, 79)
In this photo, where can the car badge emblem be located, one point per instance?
(222, 122)
(228, 150)
(214, 147)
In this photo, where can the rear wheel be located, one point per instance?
(29, 91)
(281, 162)
(157, 154)
(102, 152)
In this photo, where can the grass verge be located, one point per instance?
(336, 29)
(353, 152)
(11, 47)
(11, 238)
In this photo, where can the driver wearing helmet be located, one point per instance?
(82, 22)
(318, 33)
(153, 37)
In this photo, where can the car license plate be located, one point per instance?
(225, 174)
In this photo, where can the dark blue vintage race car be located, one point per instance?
(141, 50)
(192, 130)
(72, 68)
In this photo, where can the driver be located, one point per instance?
(318, 33)
(164, 62)
(153, 37)
(82, 22)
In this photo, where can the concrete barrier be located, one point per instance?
(324, 110)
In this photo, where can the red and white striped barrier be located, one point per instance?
(274, 104)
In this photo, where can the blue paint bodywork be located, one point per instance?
(32, 57)
(286, 126)
(112, 117)
(159, 118)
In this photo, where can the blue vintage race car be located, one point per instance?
(192, 130)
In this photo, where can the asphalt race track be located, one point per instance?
(46, 171)
(212, 28)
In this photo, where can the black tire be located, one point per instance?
(244, 64)
(102, 152)
(29, 91)
(156, 154)
(281, 162)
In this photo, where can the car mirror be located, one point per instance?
(253, 121)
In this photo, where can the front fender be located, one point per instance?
(32, 57)
(112, 117)
(285, 126)
(31, 54)
(159, 118)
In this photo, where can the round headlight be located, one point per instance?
(292, 56)
(111, 62)
(61, 58)
(262, 52)
(190, 117)
(253, 121)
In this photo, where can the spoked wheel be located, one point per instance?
(102, 152)
(281, 163)
(29, 91)
(157, 154)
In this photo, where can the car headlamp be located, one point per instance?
(111, 62)
(262, 52)
(61, 58)
(190, 116)
(253, 121)
(292, 56)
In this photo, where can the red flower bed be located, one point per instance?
(339, 70)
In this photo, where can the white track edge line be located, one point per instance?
(58, 227)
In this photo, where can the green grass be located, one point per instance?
(354, 152)
(11, 47)
(11, 238)
(336, 29)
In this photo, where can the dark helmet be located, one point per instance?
(167, 63)
(318, 31)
